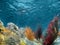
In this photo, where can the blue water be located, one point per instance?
(29, 12)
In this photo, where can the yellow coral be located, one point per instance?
(5, 34)
(22, 42)
(3, 29)
(2, 39)
(29, 34)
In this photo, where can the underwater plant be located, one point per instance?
(38, 33)
(52, 32)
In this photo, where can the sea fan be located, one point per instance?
(52, 32)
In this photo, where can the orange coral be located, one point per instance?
(29, 34)
(59, 33)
